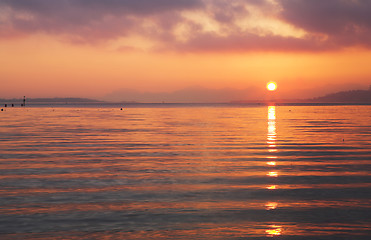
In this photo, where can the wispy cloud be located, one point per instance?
(196, 25)
(342, 23)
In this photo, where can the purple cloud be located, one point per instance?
(329, 24)
(86, 20)
(328, 17)
(344, 22)
(49, 7)
(252, 42)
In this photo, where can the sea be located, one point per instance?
(185, 171)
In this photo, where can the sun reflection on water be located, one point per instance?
(274, 230)
(272, 174)
(271, 112)
(271, 136)
(271, 139)
(271, 205)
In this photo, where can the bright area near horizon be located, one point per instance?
(139, 50)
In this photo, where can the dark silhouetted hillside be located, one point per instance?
(354, 96)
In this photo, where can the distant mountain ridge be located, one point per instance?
(193, 94)
(201, 95)
(48, 100)
(353, 96)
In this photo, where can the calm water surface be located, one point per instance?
(285, 172)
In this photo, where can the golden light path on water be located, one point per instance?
(273, 230)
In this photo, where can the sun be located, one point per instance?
(271, 86)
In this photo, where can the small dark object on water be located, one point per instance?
(121, 109)
(343, 139)
(2, 109)
(6, 105)
(12, 105)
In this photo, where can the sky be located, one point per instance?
(151, 49)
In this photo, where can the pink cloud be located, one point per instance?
(341, 23)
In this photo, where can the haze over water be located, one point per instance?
(252, 172)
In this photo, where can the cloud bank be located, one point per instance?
(196, 25)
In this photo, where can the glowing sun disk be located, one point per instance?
(271, 86)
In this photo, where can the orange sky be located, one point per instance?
(48, 50)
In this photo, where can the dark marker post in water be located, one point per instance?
(24, 101)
